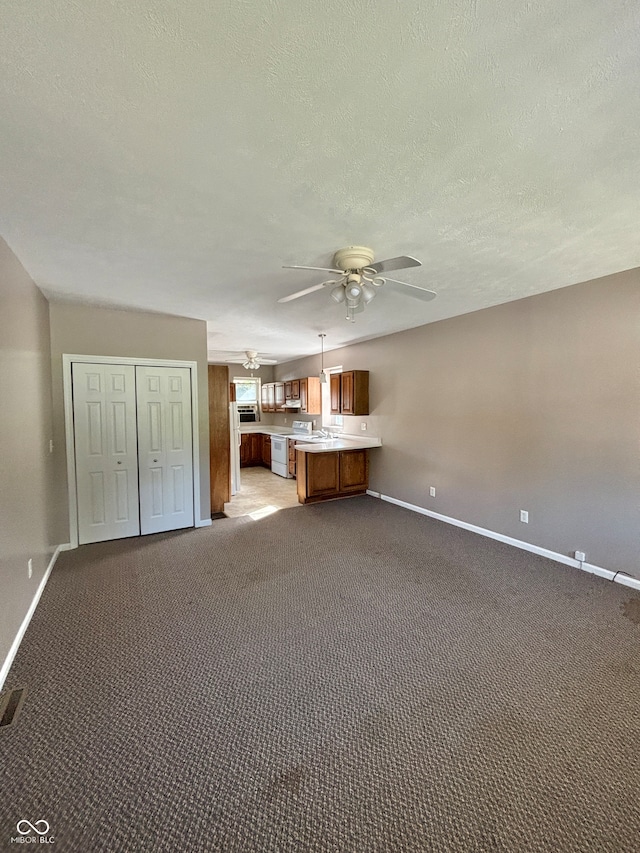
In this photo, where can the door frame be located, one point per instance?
(67, 363)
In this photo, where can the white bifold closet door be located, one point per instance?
(133, 448)
(165, 451)
(106, 445)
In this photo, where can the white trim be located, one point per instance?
(8, 661)
(627, 580)
(68, 359)
(204, 522)
(619, 577)
(596, 570)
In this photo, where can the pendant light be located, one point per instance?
(323, 375)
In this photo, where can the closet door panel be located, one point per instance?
(104, 411)
(165, 448)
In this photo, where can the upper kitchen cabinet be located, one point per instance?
(280, 396)
(310, 396)
(350, 392)
(278, 389)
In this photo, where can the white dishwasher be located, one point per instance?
(280, 447)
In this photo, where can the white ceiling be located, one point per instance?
(173, 154)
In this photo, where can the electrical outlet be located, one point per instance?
(30, 567)
(524, 516)
(580, 556)
(432, 491)
(50, 445)
(285, 420)
(363, 426)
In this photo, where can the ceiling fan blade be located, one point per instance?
(391, 264)
(304, 292)
(319, 269)
(418, 292)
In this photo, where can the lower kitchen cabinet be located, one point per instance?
(335, 474)
(266, 450)
(252, 449)
(292, 456)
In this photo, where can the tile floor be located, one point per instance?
(261, 493)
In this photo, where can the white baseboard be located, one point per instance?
(204, 522)
(618, 577)
(627, 580)
(8, 661)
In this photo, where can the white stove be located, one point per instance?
(280, 447)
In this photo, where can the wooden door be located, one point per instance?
(335, 385)
(346, 394)
(271, 406)
(322, 474)
(295, 389)
(279, 395)
(266, 450)
(165, 448)
(354, 470)
(303, 395)
(104, 413)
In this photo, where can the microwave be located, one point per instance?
(247, 412)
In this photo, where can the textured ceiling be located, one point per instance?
(173, 154)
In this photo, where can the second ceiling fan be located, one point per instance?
(360, 278)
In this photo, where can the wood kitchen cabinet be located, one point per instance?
(251, 449)
(278, 393)
(310, 396)
(264, 398)
(292, 456)
(255, 449)
(339, 474)
(266, 451)
(350, 392)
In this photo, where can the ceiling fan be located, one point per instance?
(359, 278)
(251, 360)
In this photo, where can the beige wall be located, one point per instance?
(26, 470)
(531, 405)
(91, 330)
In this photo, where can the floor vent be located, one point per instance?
(10, 706)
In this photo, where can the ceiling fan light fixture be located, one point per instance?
(338, 294)
(368, 293)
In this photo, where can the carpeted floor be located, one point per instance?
(348, 676)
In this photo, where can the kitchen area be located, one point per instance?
(294, 460)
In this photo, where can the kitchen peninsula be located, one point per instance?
(334, 468)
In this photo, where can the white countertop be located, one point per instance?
(345, 442)
(267, 429)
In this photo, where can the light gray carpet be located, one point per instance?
(347, 676)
